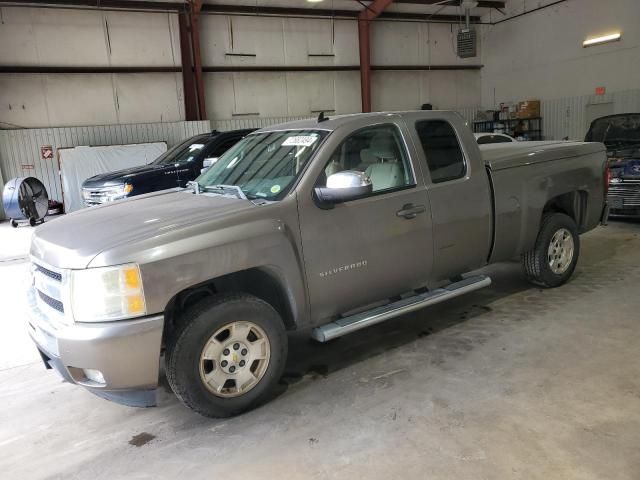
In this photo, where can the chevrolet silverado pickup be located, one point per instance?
(327, 226)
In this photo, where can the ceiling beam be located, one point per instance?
(455, 3)
(137, 5)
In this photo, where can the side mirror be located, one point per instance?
(342, 187)
(207, 162)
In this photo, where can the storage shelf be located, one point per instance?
(532, 127)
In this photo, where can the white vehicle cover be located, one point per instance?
(79, 163)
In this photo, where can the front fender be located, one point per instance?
(174, 261)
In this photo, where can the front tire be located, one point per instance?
(227, 355)
(555, 254)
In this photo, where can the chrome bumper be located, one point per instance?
(126, 352)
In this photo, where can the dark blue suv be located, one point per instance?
(174, 168)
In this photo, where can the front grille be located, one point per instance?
(55, 275)
(52, 302)
(93, 197)
(628, 191)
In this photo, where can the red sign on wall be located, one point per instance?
(46, 152)
(600, 90)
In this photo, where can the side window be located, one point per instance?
(377, 151)
(442, 149)
(486, 139)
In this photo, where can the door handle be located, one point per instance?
(410, 211)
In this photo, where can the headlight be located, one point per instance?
(117, 193)
(107, 194)
(107, 293)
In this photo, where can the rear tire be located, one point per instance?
(553, 259)
(14, 224)
(227, 355)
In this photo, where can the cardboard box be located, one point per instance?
(529, 109)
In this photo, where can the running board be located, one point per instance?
(355, 322)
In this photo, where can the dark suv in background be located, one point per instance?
(174, 168)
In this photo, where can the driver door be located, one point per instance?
(367, 250)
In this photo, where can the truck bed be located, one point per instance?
(525, 175)
(499, 156)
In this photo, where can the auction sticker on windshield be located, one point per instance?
(300, 141)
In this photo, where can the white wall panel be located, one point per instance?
(215, 40)
(79, 99)
(395, 91)
(345, 36)
(38, 100)
(347, 92)
(45, 37)
(278, 41)
(22, 147)
(408, 90)
(397, 44)
(160, 95)
(142, 39)
(16, 30)
(68, 37)
(280, 94)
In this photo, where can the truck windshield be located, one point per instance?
(264, 165)
(182, 153)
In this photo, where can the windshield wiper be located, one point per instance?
(236, 190)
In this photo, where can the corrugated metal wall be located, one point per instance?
(567, 117)
(259, 122)
(251, 122)
(20, 149)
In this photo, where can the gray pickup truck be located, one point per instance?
(326, 226)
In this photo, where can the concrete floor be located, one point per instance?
(508, 382)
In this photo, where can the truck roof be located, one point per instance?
(333, 122)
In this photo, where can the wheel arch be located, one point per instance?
(262, 282)
(574, 204)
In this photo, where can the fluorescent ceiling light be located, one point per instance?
(315, 1)
(612, 37)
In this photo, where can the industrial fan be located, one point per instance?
(25, 200)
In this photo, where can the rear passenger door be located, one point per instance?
(460, 198)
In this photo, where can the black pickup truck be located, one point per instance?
(177, 166)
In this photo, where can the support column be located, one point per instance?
(196, 6)
(365, 17)
(188, 82)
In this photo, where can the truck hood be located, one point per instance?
(615, 131)
(75, 239)
(121, 176)
(499, 156)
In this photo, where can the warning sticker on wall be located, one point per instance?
(300, 141)
(46, 152)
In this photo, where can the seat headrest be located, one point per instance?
(383, 146)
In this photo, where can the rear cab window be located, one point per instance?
(442, 150)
